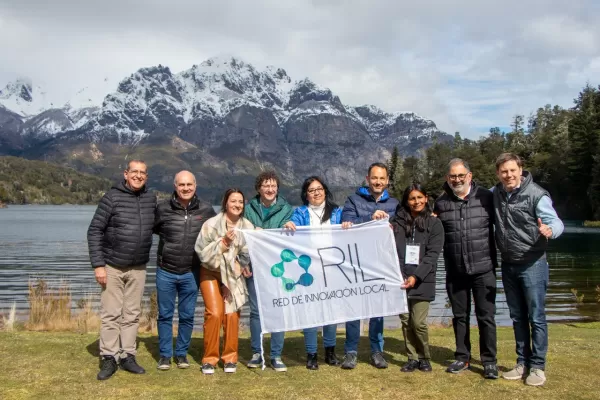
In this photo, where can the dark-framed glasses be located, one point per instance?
(315, 190)
(460, 177)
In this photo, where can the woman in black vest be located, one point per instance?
(419, 241)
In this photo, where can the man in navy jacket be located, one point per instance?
(371, 202)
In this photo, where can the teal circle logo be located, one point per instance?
(278, 270)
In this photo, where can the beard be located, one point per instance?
(459, 189)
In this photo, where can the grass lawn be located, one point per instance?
(64, 365)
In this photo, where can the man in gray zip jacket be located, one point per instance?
(524, 221)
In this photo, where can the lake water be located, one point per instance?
(49, 242)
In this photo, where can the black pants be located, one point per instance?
(483, 286)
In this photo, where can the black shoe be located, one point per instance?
(424, 366)
(130, 365)
(490, 371)
(208, 369)
(108, 367)
(182, 362)
(410, 366)
(350, 360)
(164, 363)
(457, 367)
(378, 361)
(230, 368)
(311, 361)
(330, 357)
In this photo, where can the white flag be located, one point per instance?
(324, 275)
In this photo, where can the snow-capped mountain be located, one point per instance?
(220, 110)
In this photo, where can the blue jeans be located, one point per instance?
(255, 331)
(525, 287)
(310, 338)
(168, 287)
(375, 335)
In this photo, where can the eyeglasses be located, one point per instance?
(315, 190)
(457, 177)
(137, 172)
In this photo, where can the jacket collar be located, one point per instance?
(363, 192)
(177, 205)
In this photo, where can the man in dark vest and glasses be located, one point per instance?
(467, 213)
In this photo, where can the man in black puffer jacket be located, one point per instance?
(178, 223)
(119, 241)
(467, 213)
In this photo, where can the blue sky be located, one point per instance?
(466, 64)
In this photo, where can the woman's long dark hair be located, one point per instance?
(228, 193)
(403, 212)
(329, 204)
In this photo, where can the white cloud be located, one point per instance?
(466, 64)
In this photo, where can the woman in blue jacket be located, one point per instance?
(318, 209)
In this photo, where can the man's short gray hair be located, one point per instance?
(136, 161)
(456, 161)
(175, 178)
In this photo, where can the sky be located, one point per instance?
(468, 65)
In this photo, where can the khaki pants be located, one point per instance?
(120, 303)
(415, 330)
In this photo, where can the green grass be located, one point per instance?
(64, 365)
(591, 224)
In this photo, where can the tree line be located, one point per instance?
(37, 182)
(559, 146)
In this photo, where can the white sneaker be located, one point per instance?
(518, 372)
(536, 377)
(230, 368)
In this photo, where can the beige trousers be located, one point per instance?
(120, 304)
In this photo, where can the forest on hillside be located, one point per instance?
(559, 146)
(37, 182)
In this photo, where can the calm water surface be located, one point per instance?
(49, 242)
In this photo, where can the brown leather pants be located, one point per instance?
(214, 317)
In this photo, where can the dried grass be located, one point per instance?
(50, 309)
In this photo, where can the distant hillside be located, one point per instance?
(38, 182)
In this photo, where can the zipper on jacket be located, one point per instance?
(185, 228)
(137, 250)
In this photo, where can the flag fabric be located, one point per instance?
(324, 275)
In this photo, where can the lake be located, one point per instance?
(49, 242)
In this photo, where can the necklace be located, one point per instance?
(319, 217)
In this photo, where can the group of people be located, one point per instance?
(200, 251)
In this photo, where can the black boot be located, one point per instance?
(330, 357)
(311, 361)
(108, 366)
(130, 365)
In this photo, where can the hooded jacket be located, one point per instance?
(360, 206)
(431, 241)
(120, 234)
(469, 246)
(178, 229)
(278, 215)
(301, 216)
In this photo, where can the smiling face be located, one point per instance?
(416, 202)
(235, 205)
(136, 175)
(315, 193)
(377, 181)
(268, 191)
(185, 186)
(459, 179)
(509, 174)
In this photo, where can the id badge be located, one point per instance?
(412, 253)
